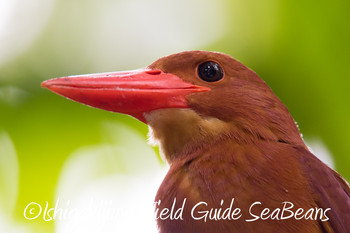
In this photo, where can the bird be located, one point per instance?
(237, 161)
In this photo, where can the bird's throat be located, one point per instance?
(180, 131)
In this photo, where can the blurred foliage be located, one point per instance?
(300, 48)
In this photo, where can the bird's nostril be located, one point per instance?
(153, 72)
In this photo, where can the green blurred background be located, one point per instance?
(300, 48)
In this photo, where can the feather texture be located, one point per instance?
(239, 142)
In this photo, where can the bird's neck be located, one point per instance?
(181, 131)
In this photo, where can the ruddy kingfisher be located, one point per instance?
(231, 144)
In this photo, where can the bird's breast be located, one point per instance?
(227, 187)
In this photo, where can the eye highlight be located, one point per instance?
(210, 71)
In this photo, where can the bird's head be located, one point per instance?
(189, 100)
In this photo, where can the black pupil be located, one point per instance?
(210, 71)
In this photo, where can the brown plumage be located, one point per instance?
(226, 140)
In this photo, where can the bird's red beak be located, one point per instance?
(131, 92)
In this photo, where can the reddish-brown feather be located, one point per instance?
(269, 173)
(258, 156)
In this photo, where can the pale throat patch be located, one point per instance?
(174, 128)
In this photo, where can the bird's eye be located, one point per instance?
(210, 71)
